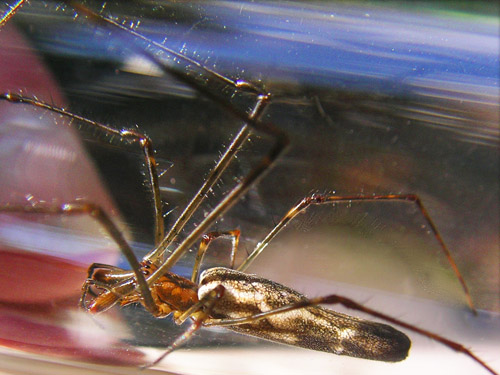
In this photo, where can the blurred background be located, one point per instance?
(376, 97)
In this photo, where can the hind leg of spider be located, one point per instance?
(80, 208)
(200, 312)
(207, 238)
(319, 199)
(353, 305)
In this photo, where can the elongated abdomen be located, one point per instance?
(314, 328)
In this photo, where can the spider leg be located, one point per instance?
(129, 136)
(108, 273)
(94, 211)
(207, 238)
(187, 70)
(7, 15)
(351, 304)
(201, 313)
(200, 196)
(89, 283)
(319, 199)
(108, 278)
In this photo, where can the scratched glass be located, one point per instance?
(375, 100)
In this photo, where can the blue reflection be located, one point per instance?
(446, 62)
(325, 46)
(328, 45)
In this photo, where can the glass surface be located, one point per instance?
(376, 99)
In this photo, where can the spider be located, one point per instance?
(220, 296)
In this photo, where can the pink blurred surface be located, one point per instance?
(42, 160)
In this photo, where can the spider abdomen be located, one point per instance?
(313, 327)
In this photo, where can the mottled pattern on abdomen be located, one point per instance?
(313, 328)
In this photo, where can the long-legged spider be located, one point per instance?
(219, 296)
